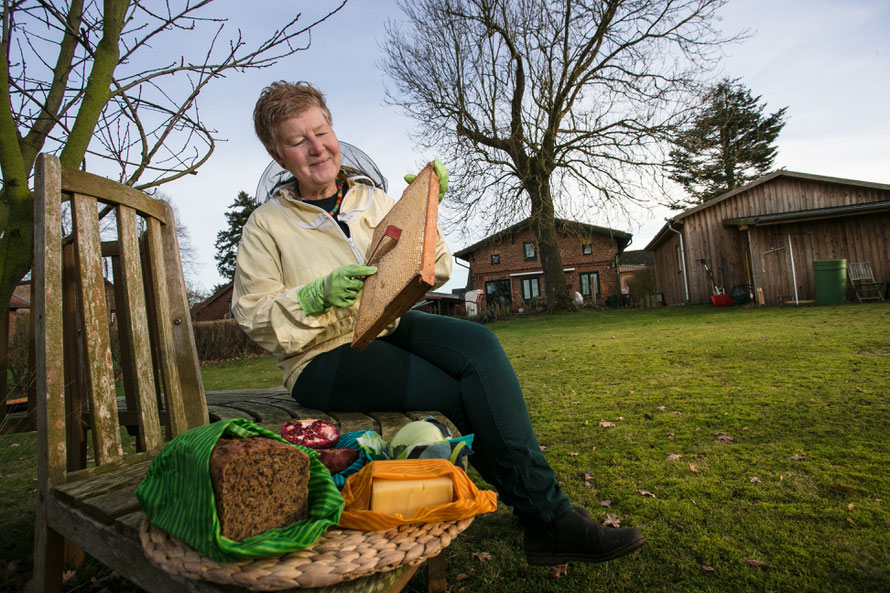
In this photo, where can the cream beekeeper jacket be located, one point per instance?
(286, 244)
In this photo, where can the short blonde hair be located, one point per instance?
(282, 100)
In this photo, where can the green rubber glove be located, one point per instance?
(441, 171)
(340, 288)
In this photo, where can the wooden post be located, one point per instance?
(435, 574)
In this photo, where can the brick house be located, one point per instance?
(507, 265)
(20, 301)
(217, 306)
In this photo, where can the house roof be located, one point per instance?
(637, 257)
(206, 302)
(17, 302)
(665, 230)
(621, 237)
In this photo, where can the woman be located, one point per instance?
(297, 285)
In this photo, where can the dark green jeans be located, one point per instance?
(458, 367)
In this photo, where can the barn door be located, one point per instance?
(789, 262)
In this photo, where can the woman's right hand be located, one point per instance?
(340, 288)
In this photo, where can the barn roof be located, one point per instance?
(811, 214)
(779, 217)
(623, 239)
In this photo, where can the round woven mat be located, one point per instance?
(339, 555)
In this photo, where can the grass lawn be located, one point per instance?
(750, 446)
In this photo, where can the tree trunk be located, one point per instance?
(543, 222)
(15, 260)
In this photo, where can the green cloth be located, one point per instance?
(177, 496)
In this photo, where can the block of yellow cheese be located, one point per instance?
(404, 497)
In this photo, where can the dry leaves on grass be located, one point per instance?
(842, 488)
(605, 424)
(754, 480)
(646, 493)
(673, 457)
(755, 563)
(708, 570)
(798, 458)
(612, 521)
(482, 556)
(560, 570)
(694, 469)
(724, 438)
(606, 503)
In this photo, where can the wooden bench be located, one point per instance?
(88, 466)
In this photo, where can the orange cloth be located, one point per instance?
(468, 500)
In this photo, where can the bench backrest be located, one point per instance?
(860, 271)
(111, 317)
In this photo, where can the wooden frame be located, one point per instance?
(406, 268)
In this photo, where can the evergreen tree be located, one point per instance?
(729, 143)
(227, 239)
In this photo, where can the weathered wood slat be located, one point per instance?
(50, 373)
(75, 363)
(138, 366)
(106, 437)
(183, 336)
(105, 543)
(218, 413)
(97, 187)
(352, 421)
(167, 355)
(390, 423)
(101, 484)
(262, 413)
(128, 524)
(111, 505)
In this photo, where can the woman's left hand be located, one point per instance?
(441, 172)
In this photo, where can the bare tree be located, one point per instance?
(542, 104)
(74, 81)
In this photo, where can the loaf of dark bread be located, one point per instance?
(259, 484)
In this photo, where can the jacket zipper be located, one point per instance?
(355, 251)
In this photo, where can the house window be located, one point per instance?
(587, 249)
(590, 284)
(529, 251)
(497, 294)
(495, 259)
(531, 288)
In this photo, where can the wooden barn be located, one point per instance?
(766, 236)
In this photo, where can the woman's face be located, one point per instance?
(308, 148)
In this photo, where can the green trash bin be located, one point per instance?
(830, 276)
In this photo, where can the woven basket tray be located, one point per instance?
(339, 555)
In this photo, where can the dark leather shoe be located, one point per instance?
(573, 537)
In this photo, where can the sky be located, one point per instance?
(827, 61)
